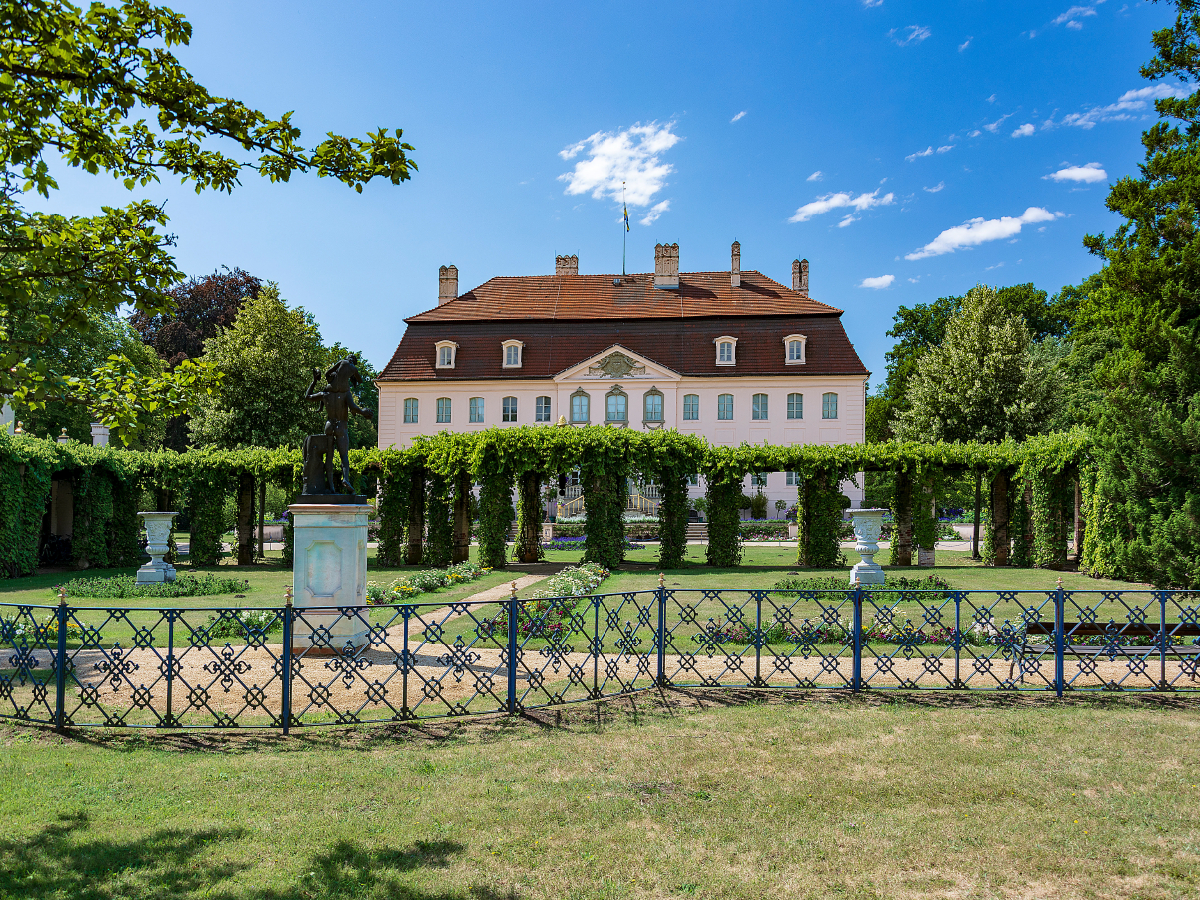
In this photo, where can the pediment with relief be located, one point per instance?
(617, 363)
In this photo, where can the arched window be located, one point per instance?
(758, 406)
(541, 412)
(793, 348)
(513, 350)
(445, 354)
(724, 406)
(508, 409)
(829, 406)
(616, 406)
(410, 410)
(475, 409)
(443, 409)
(580, 407)
(652, 406)
(691, 407)
(795, 406)
(726, 350)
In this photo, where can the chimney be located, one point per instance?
(447, 284)
(666, 266)
(800, 275)
(735, 265)
(566, 265)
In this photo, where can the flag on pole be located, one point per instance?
(626, 208)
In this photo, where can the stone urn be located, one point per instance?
(158, 544)
(868, 525)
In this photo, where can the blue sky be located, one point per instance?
(908, 150)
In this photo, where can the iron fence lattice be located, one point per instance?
(289, 667)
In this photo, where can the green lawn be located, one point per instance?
(710, 796)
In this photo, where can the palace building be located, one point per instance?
(733, 356)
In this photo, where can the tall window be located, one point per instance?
(580, 411)
(410, 410)
(829, 406)
(445, 354)
(652, 404)
(475, 405)
(792, 481)
(443, 409)
(512, 353)
(758, 480)
(509, 409)
(795, 406)
(691, 406)
(542, 412)
(725, 352)
(725, 406)
(694, 480)
(795, 351)
(758, 406)
(614, 408)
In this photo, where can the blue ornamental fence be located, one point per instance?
(289, 667)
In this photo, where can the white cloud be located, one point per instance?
(935, 188)
(655, 211)
(928, 151)
(975, 133)
(847, 219)
(910, 34)
(1024, 131)
(995, 126)
(815, 176)
(871, 4)
(998, 265)
(631, 156)
(945, 148)
(1089, 173)
(738, 116)
(879, 282)
(991, 99)
(1130, 102)
(841, 200)
(980, 231)
(1072, 16)
(965, 44)
(914, 280)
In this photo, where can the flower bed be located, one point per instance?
(547, 612)
(764, 530)
(580, 544)
(422, 582)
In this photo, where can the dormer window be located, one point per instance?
(513, 351)
(446, 351)
(793, 349)
(726, 350)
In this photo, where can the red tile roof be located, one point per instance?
(685, 346)
(588, 297)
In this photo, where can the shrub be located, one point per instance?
(548, 611)
(122, 587)
(250, 625)
(422, 583)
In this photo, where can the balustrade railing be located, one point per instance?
(280, 667)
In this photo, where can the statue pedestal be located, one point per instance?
(329, 574)
(868, 525)
(158, 545)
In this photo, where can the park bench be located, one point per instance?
(1115, 640)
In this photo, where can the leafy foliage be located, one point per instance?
(72, 83)
(122, 587)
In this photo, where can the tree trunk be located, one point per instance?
(262, 504)
(462, 517)
(978, 500)
(902, 523)
(1078, 554)
(1000, 518)
(245, 519)
(415, 532)
(529, 540)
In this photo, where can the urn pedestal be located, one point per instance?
(868, 525)
(329, 575)
(158, 545)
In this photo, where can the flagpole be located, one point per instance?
(624, 230)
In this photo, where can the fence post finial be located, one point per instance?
(662, 580)
(289, 595)
(62, 596)
(514, 590)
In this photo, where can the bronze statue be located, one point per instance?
(319, 449)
